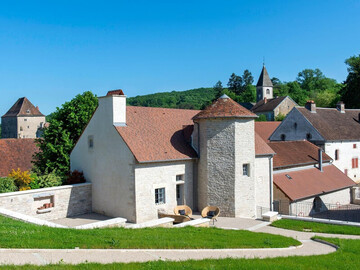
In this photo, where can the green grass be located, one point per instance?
(347, 257)
(17, 234)
(298, 225)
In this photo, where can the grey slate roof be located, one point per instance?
(334, 125)
(264, 79)
(269, 106)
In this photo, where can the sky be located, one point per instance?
(50, 51)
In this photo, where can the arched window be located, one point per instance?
(283, 137)
(268, 91)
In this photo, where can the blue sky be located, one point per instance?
(49, 52)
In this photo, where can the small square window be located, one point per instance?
(180, 177)
(160, 196)
(25, 119)
(91, 141)
(246, 169)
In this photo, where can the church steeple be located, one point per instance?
(264, 86)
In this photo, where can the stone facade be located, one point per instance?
(30, 127)
(70, 200)
(151, 176)
(284, 107)
(225, 146)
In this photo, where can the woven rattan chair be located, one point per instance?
(188, 211)
(207, 211)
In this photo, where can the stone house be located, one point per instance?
(141, 160)
(23, 120)
(335, 130)
(266, 104)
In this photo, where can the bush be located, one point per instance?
(34, 184)
(7, 184)
(280, 117)
(49, 180)
(22, 179)
(75, 177)
(261, 118)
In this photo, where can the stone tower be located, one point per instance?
(264, 86)
(226, 149)
(23, 120)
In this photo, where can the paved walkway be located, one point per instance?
(75, 256)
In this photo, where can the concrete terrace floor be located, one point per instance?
(80, 219)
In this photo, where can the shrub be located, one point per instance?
(7, 185)
(261, 118)
(34, 184)
(22, 179)
(75, 177)
(49, 180)
(280, 117)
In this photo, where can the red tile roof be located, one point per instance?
(265, 129)
(16, 153)
(261, 147)
(295, 153)
(156, 134)
(311, 182)
(224, 107)
(23, 107)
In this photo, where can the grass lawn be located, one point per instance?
(298, 225)
(347, 257)
(17, 234)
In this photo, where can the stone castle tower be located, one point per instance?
(226, 147)
(264, 86)
(23, 120)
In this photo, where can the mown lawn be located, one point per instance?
(17, 234)
(298, 225)
(347, 257)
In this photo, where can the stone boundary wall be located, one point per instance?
(69, 200)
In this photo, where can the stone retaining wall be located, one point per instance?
(69, 200)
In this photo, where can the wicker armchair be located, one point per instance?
(187, 209)
(211, 212)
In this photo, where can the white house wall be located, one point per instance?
(346, 153)
(262, 181)
(109, 166)
(151, 176)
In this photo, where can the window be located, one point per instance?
(354, 146)
(159, 195)
(308, 136)
(337, 154)
(27, 111)
(268, 91)
(25, 119)
(355, 163)
(283, 137)
(91, 141)
(246, 169)
(180, 177)
(21, 128)
(295, 125)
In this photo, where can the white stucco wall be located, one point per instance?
(109, 165)
(262, 181)
(151, 176)
(346, 154)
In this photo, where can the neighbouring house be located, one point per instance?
(266, 104)
(335, 130)
(23, 120)
(141, 160)
(15, 153)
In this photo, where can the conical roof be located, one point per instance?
(264, 79)
(224, 107)
(23, 107)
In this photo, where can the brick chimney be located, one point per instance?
(340, 106)
(265, 100)
(311, 106)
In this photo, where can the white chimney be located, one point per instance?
(340, 106)
(114, 103)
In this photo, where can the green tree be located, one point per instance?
(65, 127)
(350, 94)
(247, 78)
(261, 118)
(249, 95)
(235, 84)
(218, 89)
